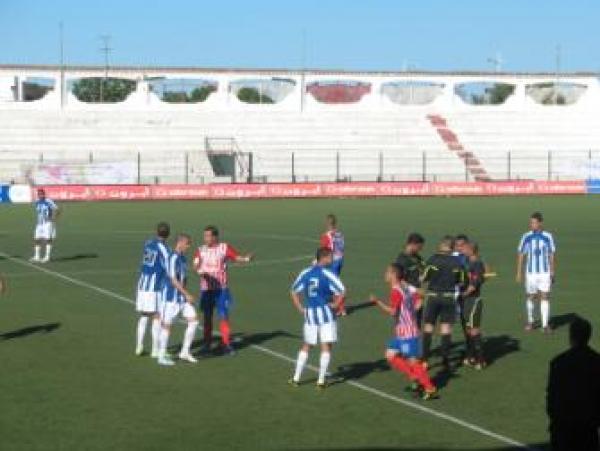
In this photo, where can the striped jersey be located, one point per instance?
(44, 210)
(538, 246)
(211, 262)
(403, 301)
(153, 267)
(317, 286)
(334, 241)
(176, 269)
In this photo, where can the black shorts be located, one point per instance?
(440, 306)
(472, 312)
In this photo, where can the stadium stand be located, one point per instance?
(358, 127)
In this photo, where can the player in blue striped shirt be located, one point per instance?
(176, 301)
(536, 257)
(150, 285)
(316, 294)
(46, 212)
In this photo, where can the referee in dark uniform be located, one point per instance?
(443, 275)
(412, 264)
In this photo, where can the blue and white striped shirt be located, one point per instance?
(44, 210)
(317, 285)
(153, 267)
(176, 269)
(538, 247)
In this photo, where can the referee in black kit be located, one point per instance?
(412, 263)
(443, 274)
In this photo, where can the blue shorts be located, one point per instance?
(408, 347)
(220, 299)
(336, 266)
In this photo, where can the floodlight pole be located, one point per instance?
(106, 50)
(62, 63)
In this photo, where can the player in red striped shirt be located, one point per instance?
(403, 351)
(210, 262)
(333, 240)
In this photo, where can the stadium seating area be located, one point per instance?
(307, 138)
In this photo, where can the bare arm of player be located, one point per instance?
(179, 287)
(519, 275)
(382, 305)
(297, 302)
(337, 300)
(552, 265)
(244, 258)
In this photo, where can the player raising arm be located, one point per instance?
(176, 301)
(316, 294)
(403, 351)
(210, 262)
(333, 239)
(536, 257)
(45, 230)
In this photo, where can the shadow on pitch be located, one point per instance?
(356, 307)
(563, 320)
(359, 370)
(75, 257)
(239, 340)
(31, 330)
(533, 446)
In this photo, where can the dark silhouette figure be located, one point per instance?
(573, 397)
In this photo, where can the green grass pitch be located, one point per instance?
(69, 379)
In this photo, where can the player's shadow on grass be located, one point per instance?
(565, 319)
(533, 446)
(68, 258)
(241, 340)
(30, 330)
(352, 308)
(498, 346)
(359, 370)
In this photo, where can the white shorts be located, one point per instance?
(535, 283)
(45, 231)
(324, 333)
(147, 301)
(169, 311)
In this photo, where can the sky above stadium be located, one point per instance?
(326, 34)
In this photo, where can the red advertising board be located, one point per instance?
(310, 190)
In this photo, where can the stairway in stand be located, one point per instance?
(454, 145)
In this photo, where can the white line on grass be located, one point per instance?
(413, 405)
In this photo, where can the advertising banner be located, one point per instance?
(310, 190)
(15, 194)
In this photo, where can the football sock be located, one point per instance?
(163, 341)
(545, 311)
(401, 365)
(323, 365)
(477, 347)
(300, 362)
(141, 330)
(207, 332)
(470, 345)
(188, 337)
(530, 307)
(155, 334)
(225, 330)
(420, 374)
(36, 251)
(426, 345)
(445, 347)
(48, 251)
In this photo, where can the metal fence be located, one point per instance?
(301, 165)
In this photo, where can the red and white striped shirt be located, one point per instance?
(403, 301)
(334, 241)
(211, 263)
